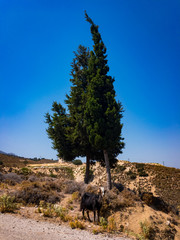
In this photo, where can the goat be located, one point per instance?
(92, 202)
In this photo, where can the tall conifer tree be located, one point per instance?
(59, 130)
(76, 105)
(103, 113)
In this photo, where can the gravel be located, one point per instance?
(17, 228)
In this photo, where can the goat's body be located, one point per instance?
(91, 202)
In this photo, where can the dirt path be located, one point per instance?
(17, 228)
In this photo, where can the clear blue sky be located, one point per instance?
(37, 40)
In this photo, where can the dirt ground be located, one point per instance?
(16, 227)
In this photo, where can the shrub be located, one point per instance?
(7, 204)
(25, 171)
(119, 168)
(103, 223)
(141, 170)
(68, 172)
(50, 210)
(75, 196)
(77, 162)
(115, 201)
(111, 224)
(147, 230)
(13, 178)
(61, 212)
(73, 186)
(34, 192)
(131, 174)
(76, 224)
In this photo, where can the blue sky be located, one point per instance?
(37, 40)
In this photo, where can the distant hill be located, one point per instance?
(10, 160)
(11, 154)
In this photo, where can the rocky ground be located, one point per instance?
(15, 227)
(127, 214)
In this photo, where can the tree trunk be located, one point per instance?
(86, 179)
(108, 171)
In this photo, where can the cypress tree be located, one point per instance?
(103, 113)
(59, 130)
(76, 105)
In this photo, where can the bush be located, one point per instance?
(131, 174)
(77, 162)
(73, 186)
(76, 224)
(147, 230)
(61, 212)
(13, 178)
(50, 210)
(75, 196)
(115, 201)
(141, 170)
(119, 168)
(103, 223)
(34, 192)
(25, 171)
(111, 224)
(68, 172)
(7, 204)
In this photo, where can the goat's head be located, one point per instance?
(101, 191)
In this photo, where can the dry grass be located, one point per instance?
(7, 204)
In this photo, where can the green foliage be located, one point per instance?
(111, 224)
(75, 196)
(102, 113)
(58, 131)
(76, 224)
(50, 210)
(25, 171)
(132, 175)
(141, 170)
(147, 231)
(119, 168)
(77, 162)
(7, 204)
(103, 223)
(93, 125)
(68, 172)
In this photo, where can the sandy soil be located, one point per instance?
(15, 227)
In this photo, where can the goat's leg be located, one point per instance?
(98, 213)
(83, 213)
(94, 216)
(88, 216)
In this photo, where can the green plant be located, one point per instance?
(141, 170)
(119, 168)
(68, 172)
(103, 223)
(77, 162)
(111, 224)
(146, 230)
(48, 211)
(7, 204)
(61, 212)
(75, 196)
(25, 171)
(76, 224)
(131, 174)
